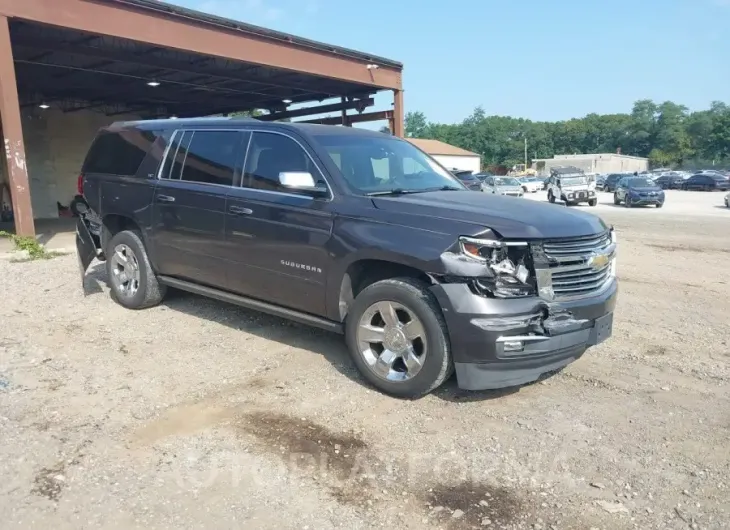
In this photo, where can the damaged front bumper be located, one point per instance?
(497, 343)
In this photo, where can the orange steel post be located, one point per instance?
(13, 137)
(398, 128)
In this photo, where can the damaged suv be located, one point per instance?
(355, 232)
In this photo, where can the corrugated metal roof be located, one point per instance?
(437, 147)
(235, 25)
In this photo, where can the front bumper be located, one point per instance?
(497, 343)
(578, 197)
(639, 200)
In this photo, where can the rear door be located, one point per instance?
(189, 204)
(277, 239)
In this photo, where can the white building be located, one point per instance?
(449, 156)
(593, 163)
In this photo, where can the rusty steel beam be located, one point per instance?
(322, 109)
(398, 123)
(355, 118)
(17, 170)
(169, 31)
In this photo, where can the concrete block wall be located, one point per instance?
(55, 147)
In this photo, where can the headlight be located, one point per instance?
(506, 267)
(591, 193)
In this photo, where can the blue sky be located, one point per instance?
(537, 59)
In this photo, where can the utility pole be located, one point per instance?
(525, 152)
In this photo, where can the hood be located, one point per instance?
(646, 189)
(511, 217)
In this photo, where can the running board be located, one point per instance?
(256, 305)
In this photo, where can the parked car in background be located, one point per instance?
(727, 200)
(424, 278)
(468, 179)
(482, 175)
(638, 191)
(706, 182)
(670, 181)
(503, 186)
(611, 181)
(530, 184)
(600, 181)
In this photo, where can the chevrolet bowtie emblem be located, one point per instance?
(598, 261)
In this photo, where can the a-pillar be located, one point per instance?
(17, 171)
(397, 127)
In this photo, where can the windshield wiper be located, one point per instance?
(403, 191)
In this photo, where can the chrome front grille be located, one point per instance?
(576, 267)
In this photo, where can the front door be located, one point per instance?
(278, 239)
(189, 204)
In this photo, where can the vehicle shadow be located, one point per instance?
(721, 207)
(329, 345)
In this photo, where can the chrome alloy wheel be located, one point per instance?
(392, 341)
(125, 270)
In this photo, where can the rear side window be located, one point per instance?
(207, 157)
(118, 152)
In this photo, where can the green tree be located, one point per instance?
(415, 124)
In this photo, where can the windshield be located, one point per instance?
(640, 183)
(373, 164)
(506, 181)
(572, 181)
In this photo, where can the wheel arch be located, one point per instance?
(365, 271)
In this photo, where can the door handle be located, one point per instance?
(238, 210)
(165, 198)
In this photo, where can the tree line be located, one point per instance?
(666, 133)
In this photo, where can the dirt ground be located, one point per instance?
(197, 414)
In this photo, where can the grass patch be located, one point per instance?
(30, 247)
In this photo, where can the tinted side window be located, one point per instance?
(270, 154)
(118, 152)
(152, 161)
(172, 167)
(211, 157)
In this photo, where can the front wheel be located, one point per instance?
(659, 204)
(551, 197)
(616, 200)
(592, 202)
(397, 337)
(627, 202)
(132, 281)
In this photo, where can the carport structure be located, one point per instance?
(151, 59)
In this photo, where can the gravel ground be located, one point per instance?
(196, 414)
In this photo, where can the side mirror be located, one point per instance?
(301, 181)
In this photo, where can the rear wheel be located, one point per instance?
(397, 336)
(551, 197)
(132, 281)
(616, 200)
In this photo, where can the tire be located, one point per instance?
(148, 292)
(551, 197)
(659, 204)
(627, 202)
(592, 202)
(616, 200)
(411, 298)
